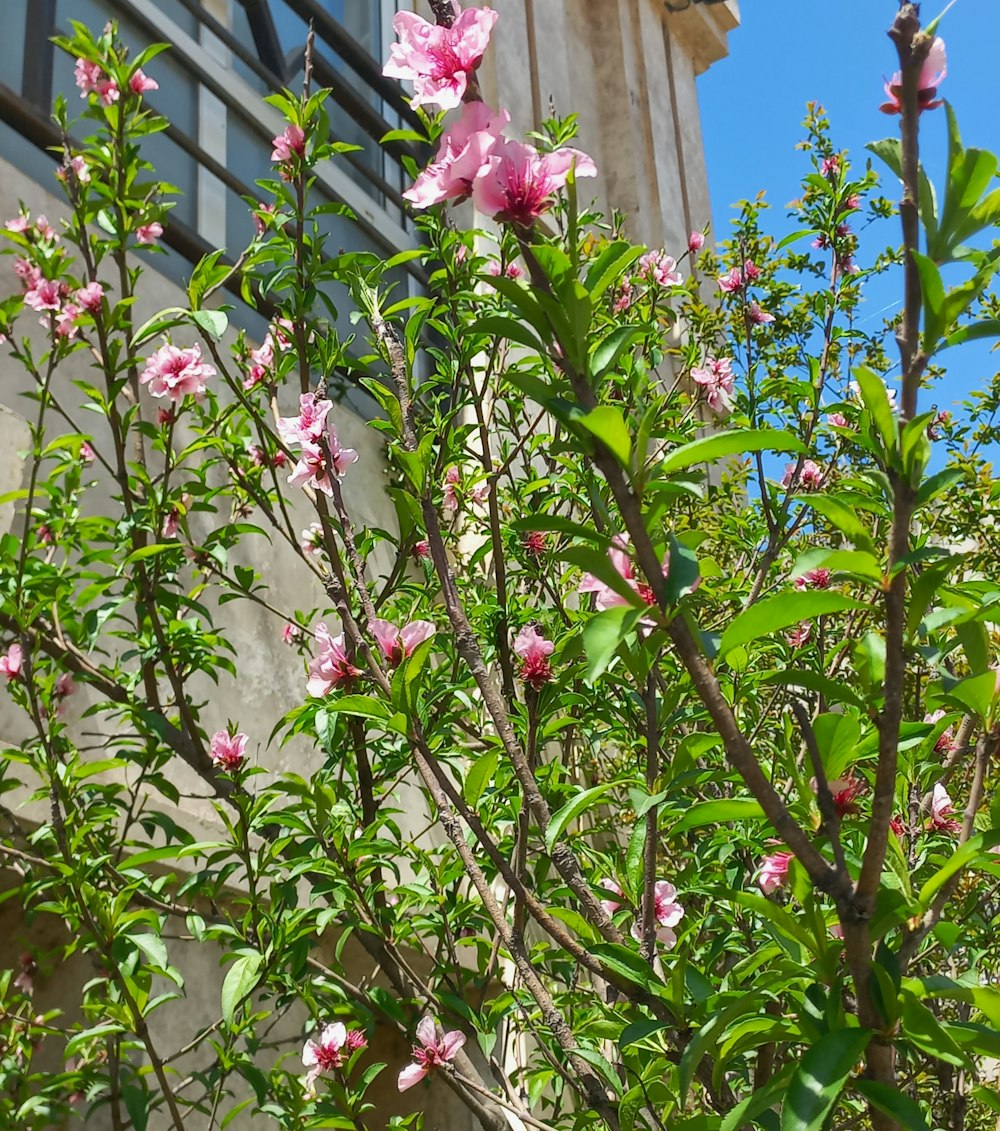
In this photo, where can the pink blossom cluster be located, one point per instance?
(814, 579)
(439, 61)
(509, 180)
(932, 73)
(716, 378)
(454, 488)
(808, 477)
(321, 458)
(289, 148)
(228, 751)
(773, 872)
(331, 666)
(605, 596)
(430, 1053)
(946, 740)
(666, 910)
(175, 373)
(942, 817)
(92, 78)
(10, 665)
(334, 1044)
(534, 651)
(736, 278)
(397, 644)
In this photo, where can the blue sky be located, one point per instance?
(788, 52)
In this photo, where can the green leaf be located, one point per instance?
(960, 858)
(509, 328)
(606, 353)
(608, 424)
(241, 978)
(480, 774)
(362, 706)
(781, 611)
(627, 964)
(975, 693)
(754, 1105)
(683, 574)
(718, 445)
(211, 322)
(844, 518)
(820, 1078)
(876, 399)
(986, 328)
(163, 320)
(922, 1028)
(609, 266)
(894, 1103)
(603, 633)
(573, 809)
(717, 813)
(857, 562)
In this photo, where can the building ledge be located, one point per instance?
(702, 30)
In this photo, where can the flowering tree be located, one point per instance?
(684, 643)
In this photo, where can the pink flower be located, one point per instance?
(845, 792)
(331, 666)
(289, 145)
(422, 550)
(731, 281)
(897, 827)
(660, 268)
(800, 635)
(90, 297)
(44, 534)
(716, 378)
(751, 272)
(10, 665)
(518, 183)
(91, 78)
(696, 241)
(19, 225)
(666, 911)
(309, 425)
(452, 479)
(758, 316)
(535, 543)
(262, 217)
(46, 294)
(28, 273)
(814, 579)
(77, 166)
(66, 326)
(261, 361)
(830, 167)
(291, 633)
(774, 872)
(534, 651)
(837, 420)
(149, 233)
(175, 373)
(624, 297)
(946, 739)
(606, 596)
(396, 645)
(431, 1053)
(320, 463)
(942, 809)
(439, 60)
(312, 539)
(228, 751)
(932, 74)
(65, 687)
(462, 155)
(139, 82)
(171, 523)
(87, 453)
(334, 1046)
(809, 477)
(611, 905)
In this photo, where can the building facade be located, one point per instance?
(628, 68)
